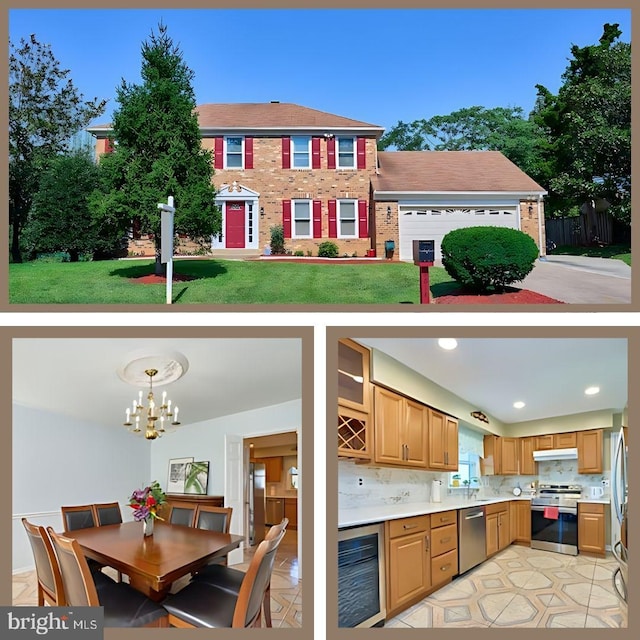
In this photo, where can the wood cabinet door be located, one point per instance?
(589, 451)
(591, 533)
(528, 466)
(512, 520)
(415, 434)
(544, 442)
(291, 512)
(523, 521)
(389, 416)
(504, 539)
(564, 440)
(510, 456)
(354, 389)
(409, 569)
(437, 440)
(492, 534)
(354, 434)
(451, 444)
(273, 468)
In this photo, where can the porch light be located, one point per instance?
(262, 212)
(388, 214)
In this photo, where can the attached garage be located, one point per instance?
(429, 222)
(423, 195)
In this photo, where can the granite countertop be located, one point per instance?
(595, 501)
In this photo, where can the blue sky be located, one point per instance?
(374, 65)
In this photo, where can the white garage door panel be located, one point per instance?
(426, 223)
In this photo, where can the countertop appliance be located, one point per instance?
(620, 490)
(256, 489)
(274, 511)
(554, 518)
(472, 534)
(361, 577)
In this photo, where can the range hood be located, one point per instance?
(556, 454)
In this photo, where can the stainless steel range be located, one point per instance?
(554, 518)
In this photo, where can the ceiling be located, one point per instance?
(78, 377)
(548, 374)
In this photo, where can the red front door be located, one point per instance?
(234, 225)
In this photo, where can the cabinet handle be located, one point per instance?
(426, 538)
(409, 526)
(445, 567)
(446, 457)
(443, 540)
(407, 450)
(443, 519)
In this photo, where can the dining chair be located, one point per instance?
(213, 518)
(230, 579)
(123, 605)
(50, 587)
(182, 513)
(78, 517)
(107, 513)
(200, 604)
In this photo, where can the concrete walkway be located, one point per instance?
(580, 280)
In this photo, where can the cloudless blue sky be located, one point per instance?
(375, 65)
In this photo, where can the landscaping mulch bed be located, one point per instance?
(152, 278)
(311, 260)
(510, 296)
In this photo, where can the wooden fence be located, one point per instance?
(581, 230)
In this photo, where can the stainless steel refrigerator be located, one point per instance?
(620, 489)
(257, 486)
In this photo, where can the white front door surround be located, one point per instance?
(232, 196)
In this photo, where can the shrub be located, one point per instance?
(277, 240)
(328, 250)
(488, 258)
(298, 253)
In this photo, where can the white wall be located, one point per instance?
(60, 461)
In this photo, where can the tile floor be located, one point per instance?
(286, 588)
(523, 587)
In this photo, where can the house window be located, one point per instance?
(468, 471)
(301, 219)
(347, 219)
(346, 153)
(233, 155)
(301, 152)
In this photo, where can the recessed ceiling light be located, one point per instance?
(447, 343)
(518, 405)
(591, 391)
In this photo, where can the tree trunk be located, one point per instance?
(16, 255)
(74, 255)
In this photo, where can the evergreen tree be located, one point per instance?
(45, 110)
(158, 151)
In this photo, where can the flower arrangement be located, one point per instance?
(145, 502)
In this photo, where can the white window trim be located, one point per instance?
(241, 167)
(293, 218)
(292, 153)
(356, 220)
(354, 139)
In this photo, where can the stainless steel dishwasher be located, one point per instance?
(274, 511)
(472, 535)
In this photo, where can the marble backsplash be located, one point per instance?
(366, 486)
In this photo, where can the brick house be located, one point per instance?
(320, 176)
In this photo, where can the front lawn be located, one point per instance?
(222, 282)
(615, 251)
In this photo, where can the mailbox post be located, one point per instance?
(423, 256)
(166, 241)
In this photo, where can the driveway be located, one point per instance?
(581, 280)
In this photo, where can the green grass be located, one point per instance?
(615, 251)
(222, 282)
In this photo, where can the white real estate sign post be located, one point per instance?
(166, 241)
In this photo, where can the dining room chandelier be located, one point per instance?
(152, 420)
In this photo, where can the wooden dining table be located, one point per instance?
(154, 562)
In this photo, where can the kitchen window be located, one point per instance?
(347, 219)
(234, 153)
(346, 153)
(301, 219)
(301, 152)
(468, 471)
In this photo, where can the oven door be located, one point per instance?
(555, 534)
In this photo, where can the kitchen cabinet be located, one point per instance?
(589, 445)
(408, 562)
(498, 527)
(510, 456)
(401, 430)
(544, 442)
(355, 439)
(512, 521)
(291, 512)
(354, 388)
(501, 456)
(591, 529)
(443, 442)
(444, 552)
(528, 466)
(273, 468)
(523, 521)
(492, 533)
(565, 440)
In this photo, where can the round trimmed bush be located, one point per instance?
(328, 250)
(488, 258)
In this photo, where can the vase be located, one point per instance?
(148, 526)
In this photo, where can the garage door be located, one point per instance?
(433, 223)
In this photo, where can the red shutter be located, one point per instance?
(331, 154)
(218, 153)
(363, 227)
(317, 219)
(286, 218)
(362, 157)
(286, 152)
(315, 153)
(333, 221)
(248, 152)
(108, 145)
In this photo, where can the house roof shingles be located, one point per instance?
(438, 171)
